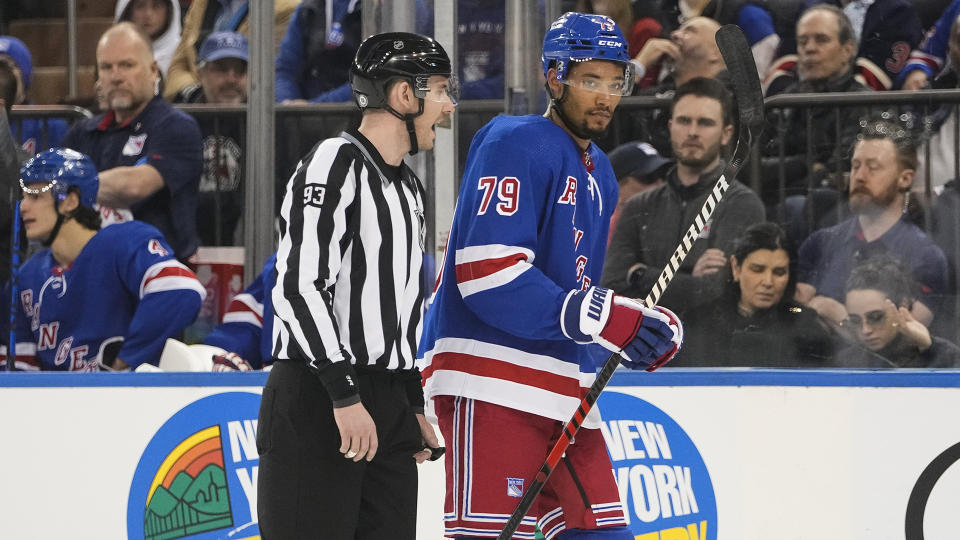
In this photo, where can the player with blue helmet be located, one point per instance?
(517, 328)
(571, 49)
(57, 170)
(95, 299)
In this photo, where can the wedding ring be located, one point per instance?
(350, 454)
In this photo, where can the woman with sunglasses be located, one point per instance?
(755, 323)
(886, 334)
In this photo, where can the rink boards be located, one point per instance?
(731, 455)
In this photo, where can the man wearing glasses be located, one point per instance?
(518, 327)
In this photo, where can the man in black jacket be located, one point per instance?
(826, 48)
(652, 223)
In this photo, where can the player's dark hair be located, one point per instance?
(8, 86)
(707, 88)
(87, 217)
(884, 273)
(901, 138)
(764, 235)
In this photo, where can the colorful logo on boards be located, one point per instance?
(663, 480)
(197, 477)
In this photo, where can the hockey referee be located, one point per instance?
(341, 424)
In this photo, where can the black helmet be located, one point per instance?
(382, 57)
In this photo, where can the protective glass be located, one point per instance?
(620, 86)
(872, 318)
(440, 90)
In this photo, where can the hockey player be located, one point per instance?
(95, 299)
(247, 327)
(341, 422)
(517, 330)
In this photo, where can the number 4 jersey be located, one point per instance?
(531, 224)
(122, 297)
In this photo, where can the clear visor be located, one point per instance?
(593, 82)
(438, 88)
(37, 190)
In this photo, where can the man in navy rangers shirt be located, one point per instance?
(149, 153)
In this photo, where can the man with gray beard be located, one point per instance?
(881, 172)
(147, 152)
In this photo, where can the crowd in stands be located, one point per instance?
(839, 249)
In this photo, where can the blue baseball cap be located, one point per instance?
(224, 45)
(637, 159)
(15, 49)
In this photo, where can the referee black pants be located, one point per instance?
(307, 489)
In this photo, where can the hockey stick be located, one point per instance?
(14, 281)
(746, 83)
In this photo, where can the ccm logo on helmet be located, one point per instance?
(607, 43)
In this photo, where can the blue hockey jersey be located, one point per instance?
(122, 297)
(530, 225)
(247, 327)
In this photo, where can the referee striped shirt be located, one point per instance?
(349, 283)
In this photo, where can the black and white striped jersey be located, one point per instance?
(350, 261)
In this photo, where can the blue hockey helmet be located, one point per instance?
(578, 37)
(61, 168)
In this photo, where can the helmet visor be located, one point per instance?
(40, 186)
(438, 88)
(621, 85)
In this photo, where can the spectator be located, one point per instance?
(882, 170)
(138, 293)
(756, 323)
(878, 298)
(480, 46)
(942, 142)
(205, 17)
(765, 23)
(148, 153)
(317, 51)
(247, 327)
(34, 134)
(159, 19)
(223, 79)
(690, 52)
(885, 31)
(638, 167)
(929, 59)
(826, 46)
(637, 30)
(653, 222)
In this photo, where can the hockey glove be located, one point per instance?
(229, 362)
(645, 338)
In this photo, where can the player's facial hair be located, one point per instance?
(581, 130)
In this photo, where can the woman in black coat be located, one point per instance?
(756, 323)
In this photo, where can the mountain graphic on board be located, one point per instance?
(190, 494)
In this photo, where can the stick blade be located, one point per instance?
(743, 74)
